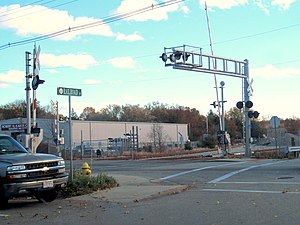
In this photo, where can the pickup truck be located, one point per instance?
(26, 174)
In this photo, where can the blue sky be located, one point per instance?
(118, 62)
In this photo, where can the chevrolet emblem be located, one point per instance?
(45, 169)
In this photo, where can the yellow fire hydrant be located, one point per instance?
(86, 169)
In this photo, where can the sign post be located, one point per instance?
(275, 122)
(70, 92)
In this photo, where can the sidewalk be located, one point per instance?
(135, 189)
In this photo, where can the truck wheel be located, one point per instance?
(47, 196)
(3, 199)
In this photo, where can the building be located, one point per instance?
(92, 135)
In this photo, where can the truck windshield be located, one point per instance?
(8, 145)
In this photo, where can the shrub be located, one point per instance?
(208, 142)
(81, 185)
(187, 146)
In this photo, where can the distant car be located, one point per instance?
(26, 174)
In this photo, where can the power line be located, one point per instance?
(15, 10)
(21, 9)
(38, 10)
(258, 34)
(104, 21)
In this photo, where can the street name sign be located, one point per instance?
(68, 91)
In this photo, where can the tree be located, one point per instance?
(234, 123)
(74, 115)
(44, 111)
(292, 125)
(110, 113)
(157, 137)
(192, 117)
(258, 129)
(87, 113)
(134, 113)
(159, 112)
(17, 109)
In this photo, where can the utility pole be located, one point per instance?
(246, 110)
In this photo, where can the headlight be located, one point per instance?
(61, 163)
(16, 168)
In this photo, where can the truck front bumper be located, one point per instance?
(19, 188)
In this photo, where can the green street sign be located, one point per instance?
(68, 91)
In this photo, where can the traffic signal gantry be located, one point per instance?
(191, 58)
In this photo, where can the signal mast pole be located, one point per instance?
(27, 88)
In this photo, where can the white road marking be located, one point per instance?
(258, 182)
(198, 169)
(226, 176)
(251, 191)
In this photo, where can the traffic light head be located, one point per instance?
(253, 114)
(239, 105)
(249, 104)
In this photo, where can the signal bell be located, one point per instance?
(164, 57)
(36, 81)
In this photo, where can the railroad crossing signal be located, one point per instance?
(250, 89)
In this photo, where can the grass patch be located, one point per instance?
(81, 185)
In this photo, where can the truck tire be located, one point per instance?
(3, 199)
(47, 195)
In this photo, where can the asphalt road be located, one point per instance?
(220, 192)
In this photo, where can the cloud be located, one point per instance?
(122, 62)
(155, 14)
(271, 72)
(40, 20)
(83, 61)
(265, 5)
(79, 61)
(283, 4)
(52, 71)
(261, 5)
(130, 38)
(12, 76)
(92, 82)
(222, 4)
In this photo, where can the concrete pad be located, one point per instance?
(135, 189)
